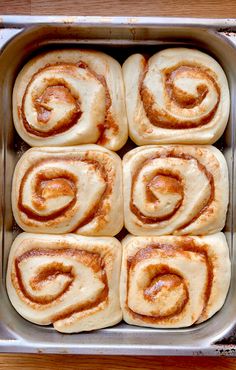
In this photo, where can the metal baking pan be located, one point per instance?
(21, 37)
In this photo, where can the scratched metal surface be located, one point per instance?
(21, 37)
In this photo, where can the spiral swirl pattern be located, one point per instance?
(159, 287)
(177, 96)
(70, 281)
(59, 190)
(175, 190)
(70, 97)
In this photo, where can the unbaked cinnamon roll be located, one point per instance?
(72, 189)
(181, 190)
(179, 95)
(69, 281)
(173, 281)
(71, 97)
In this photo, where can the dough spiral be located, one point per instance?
(170, 282)
(72, 189)
(181, 190)
(178, 96)
(70, 97)
(68, 280)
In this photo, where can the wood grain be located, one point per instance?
(67, 362)
(177, 8)
(183, 8)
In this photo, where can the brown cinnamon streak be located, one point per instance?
(59, 89)
(109, 122)
(63, 126)
(181, 246)
(170, 154)
(37, 193)
(152, 220)
(162, 118)
(49, 272)
(98, 209)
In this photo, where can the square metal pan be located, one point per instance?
(21, 37)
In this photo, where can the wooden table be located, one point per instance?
(178, 8)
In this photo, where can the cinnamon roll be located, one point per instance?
(181, 190)
(173, 281)
(72, 189)
(69, 281)
(71, 97)
(179, 95)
